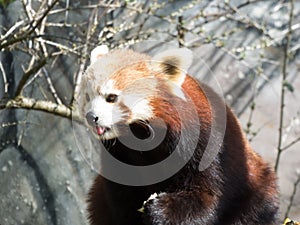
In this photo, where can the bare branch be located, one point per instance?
(284, 74)
(12, 29)
(246, 20)
(30, 72)
(5, 42)
(60, 46)
(40, 20)
(292, 197)
(108, 5)
(249, 122)
(290, 144)
(52, 89)
(41, 105)
(67, 11)
(92, 20)
(6, 84)
(180, 32)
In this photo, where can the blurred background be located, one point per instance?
(247, 50)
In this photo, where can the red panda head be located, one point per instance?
(124, 87)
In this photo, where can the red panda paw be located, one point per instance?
(177, 208)
(156, 210)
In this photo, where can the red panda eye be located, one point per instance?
(111, 98)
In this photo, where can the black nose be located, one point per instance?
(91, 118)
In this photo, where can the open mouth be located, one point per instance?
(100, 130)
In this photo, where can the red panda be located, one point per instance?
(125, 93)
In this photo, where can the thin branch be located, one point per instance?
(42, 31)
(58, 45)
(23, 127)
(246, 20)
(27, 10)
(51, 86)
(42, 17)
(90, 6)
(77, 85)
(290, 144)
(292, 197)
(27, 35)
(249, 122)
(78, 77)
(67, 11)
(92, 23)
(6, 84)
(210, 17)
(12, 29)
(30, 72)
(180, 32)
(284, 74)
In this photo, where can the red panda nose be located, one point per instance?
(91, 118)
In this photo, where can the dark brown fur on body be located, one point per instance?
(238, 188)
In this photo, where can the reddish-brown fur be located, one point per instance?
(238, 188)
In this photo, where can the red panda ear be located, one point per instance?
(98, 52)
(173, 64)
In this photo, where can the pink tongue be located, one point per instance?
(100, 130)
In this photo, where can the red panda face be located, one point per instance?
(120, 88)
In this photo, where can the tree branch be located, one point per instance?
(283, 86)
(290, 144)
(180, 32)
(6, 84)
(5, 42)
(51, 86)
(292, 197)
(41, 105)
(27, 74)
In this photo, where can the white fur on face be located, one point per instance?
(108, 113)
(140, 108)
(108, 88)
(129, 107)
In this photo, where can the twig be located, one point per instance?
(284, 74)
(22, 128)
(42, 31)
(27, 74)
(180, 32)
(108, 5)
(67, 11)
(6, 84)
(292, 197)
(51, 86)
(27, 35)
(249, 122)
(82, 64)
(290, 144)
(246, 20)
(27, 10)
(77, 85)
(210, 17)
(12, 29)
(40, 20)
(60, 46)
